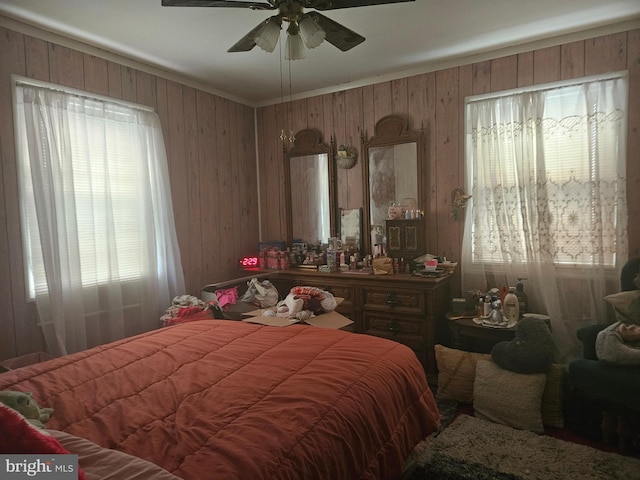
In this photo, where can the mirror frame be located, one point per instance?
(391, 130)
(309, 142)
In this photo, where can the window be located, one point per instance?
(547, 173)
(99, 237)
(103, 184)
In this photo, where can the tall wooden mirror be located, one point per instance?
(310, 187)
(393, 174)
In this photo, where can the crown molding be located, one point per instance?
(427, 67)
(59, 39)
(461, 60)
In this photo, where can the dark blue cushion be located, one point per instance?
(587, 335)
(617, 384)
(628, 274)
(602, 381)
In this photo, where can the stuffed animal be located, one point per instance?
(531, 351)
(304, 302)
(289, 307)
(23, 403)
(315, 300)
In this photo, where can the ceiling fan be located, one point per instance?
(305, 29)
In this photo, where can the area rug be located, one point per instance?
(471, 448)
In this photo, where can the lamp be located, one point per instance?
(311, 33)
(267, 37)
(294, 48)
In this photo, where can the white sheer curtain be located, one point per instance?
(101, 251)
(547, 174)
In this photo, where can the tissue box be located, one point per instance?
(431, 265)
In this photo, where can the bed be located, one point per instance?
(232, 400)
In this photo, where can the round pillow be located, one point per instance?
(611, 348)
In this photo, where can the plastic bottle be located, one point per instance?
(522, 297)
(511, 308)
(487, 306)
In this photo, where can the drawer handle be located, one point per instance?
(394, 327)
(392, 300)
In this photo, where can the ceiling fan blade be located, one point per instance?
(219, 3)
(337, 4)
(337, 35)
(247, 42)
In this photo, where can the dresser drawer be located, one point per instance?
(402, 329)
(400, 301)
(399, 307)
(376, 324)
(343, 292)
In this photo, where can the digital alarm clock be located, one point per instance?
(249, 262)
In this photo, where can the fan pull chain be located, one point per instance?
(292, 137)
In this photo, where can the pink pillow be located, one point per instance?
(19, 436)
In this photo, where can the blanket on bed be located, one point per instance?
(224, 399)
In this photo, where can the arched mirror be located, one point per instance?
(393, 176)
(310, 186)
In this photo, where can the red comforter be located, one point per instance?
(217, 399)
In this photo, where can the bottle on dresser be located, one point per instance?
(522, 297)
(511, 308)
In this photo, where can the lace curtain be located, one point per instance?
(102, 258)
(546, 171)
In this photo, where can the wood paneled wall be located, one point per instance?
(211, 147)
(435, 101)
(210, 143)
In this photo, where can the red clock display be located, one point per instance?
(249, 262)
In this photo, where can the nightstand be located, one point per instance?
(468, 335)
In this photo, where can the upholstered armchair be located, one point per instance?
(604, 397)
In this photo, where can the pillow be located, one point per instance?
(531, 351)
(621, 303)
(610, 347)
(509, 398)
(456, 373)
(101, 463)
(19, 436)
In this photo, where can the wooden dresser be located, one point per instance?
(400, 307)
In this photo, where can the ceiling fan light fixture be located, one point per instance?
(294, 48)
(267, 37)
(311, 33)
